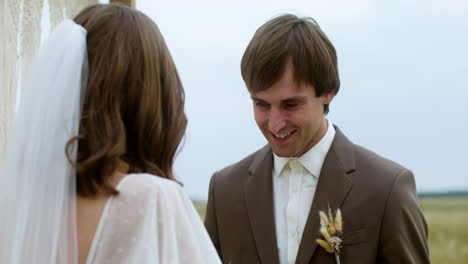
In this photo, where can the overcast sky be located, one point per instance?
(404, 81)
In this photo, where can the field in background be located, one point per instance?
(448, 228)
(201, 208)
(447, 218)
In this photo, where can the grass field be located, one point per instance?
(201, 208)
(448, 228)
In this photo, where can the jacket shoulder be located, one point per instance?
(379, 172)
(239, 171)
(372, 161)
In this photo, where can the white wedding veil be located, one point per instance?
(37, 183)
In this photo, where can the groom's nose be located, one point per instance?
(277, 121)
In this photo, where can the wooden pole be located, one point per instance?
(130, 3)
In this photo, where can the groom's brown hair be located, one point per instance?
(290, 38)
(133, 106)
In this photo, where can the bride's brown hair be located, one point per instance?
(133, 107)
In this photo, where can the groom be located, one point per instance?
(265, 208)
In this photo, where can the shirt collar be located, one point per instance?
(279, 164)
(312, 159)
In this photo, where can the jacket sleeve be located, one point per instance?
(404, 230)
(211, 218)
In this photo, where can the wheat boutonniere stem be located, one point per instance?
(337, 258)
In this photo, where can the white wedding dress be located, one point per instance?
(150, 221)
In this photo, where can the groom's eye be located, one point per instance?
(261, 104)
(292, 105)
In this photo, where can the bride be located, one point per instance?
(87, 177)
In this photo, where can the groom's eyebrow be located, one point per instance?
(286, 100)
(257, 99)
(294, 99)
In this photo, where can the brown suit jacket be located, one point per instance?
(377, 197)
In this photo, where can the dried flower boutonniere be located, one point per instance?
(331, 229)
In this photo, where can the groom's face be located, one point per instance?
(290, 115)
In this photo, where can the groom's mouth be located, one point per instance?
(281, 138)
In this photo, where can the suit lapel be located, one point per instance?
(259, 202)
(332, 187)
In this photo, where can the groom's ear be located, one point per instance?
(327, 98)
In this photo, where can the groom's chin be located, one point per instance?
(281, 152)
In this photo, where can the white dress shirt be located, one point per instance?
(294, 184)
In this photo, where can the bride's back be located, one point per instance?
(89, 213)
(150, 221)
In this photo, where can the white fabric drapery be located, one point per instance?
(20, 28)
(9, 29)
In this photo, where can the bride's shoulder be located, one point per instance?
(143, 182)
